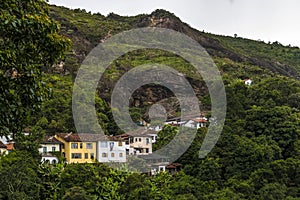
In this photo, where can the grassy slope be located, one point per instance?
(237, 58)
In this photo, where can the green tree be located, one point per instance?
(19, 179)
(29, 43)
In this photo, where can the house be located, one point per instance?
(7, 141)
(112, 150)
(50, 145)
(9, 147)
(196, 122)
(79, 148)
(139, 141)
(156, 163)
(174, 168)
(153, 135)
(3, 148)
(248, 81)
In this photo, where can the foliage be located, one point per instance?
(19, 179)
(256, 157)
(30, 42)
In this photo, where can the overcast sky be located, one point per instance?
(268, 20)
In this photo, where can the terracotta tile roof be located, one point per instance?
(200, 120)
(10, 146)
(174, 166)
(2, 146)
(82, 137)
(50, 140)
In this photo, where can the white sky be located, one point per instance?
(268, 20)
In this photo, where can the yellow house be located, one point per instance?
(79, 148)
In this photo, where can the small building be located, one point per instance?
(156, 163)
(79, 148)
(173, 168)
(9, 147)
(112, 150)
(196, 122)
(3, 148)
(248, 81)
(140, 141)
(49, 146)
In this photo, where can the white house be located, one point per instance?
(248, 81)
(196, 122)
(111, 151)
(48, 146)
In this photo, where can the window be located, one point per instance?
(104, 155)
(86, 156)
(111, 145)
(103, 144)
(62, 146)
(135, 139)
(121, 155)
(140, 139)
(44, 149)
(89, 145)
(81, 145)
(112, 155)
(92, 156)
(147, 141)
(147, 150)
(76, 155)
(53, 161)
(74, 145)
(120, 143)
(53, 149)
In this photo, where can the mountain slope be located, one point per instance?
(87, 30)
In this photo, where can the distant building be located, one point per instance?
(140, 141)
(79, 148)
(156, 163)
(111, 151)
(248, 81)
(49, 146)
(3, 148)
(196, 122)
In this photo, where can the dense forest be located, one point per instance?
(257, 155)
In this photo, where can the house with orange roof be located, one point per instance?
(3, 148)
(196, 122)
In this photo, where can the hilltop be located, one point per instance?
(87, 30)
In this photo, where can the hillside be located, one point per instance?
(87, 30)
(237, 58)
(257, 155)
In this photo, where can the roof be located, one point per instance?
(2, 146)
(50, 140)
(201, 120)
(10, 146)
(82, 137)
(174, 166)
(140, 133)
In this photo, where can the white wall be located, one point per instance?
(49, 147)
(112, 147)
